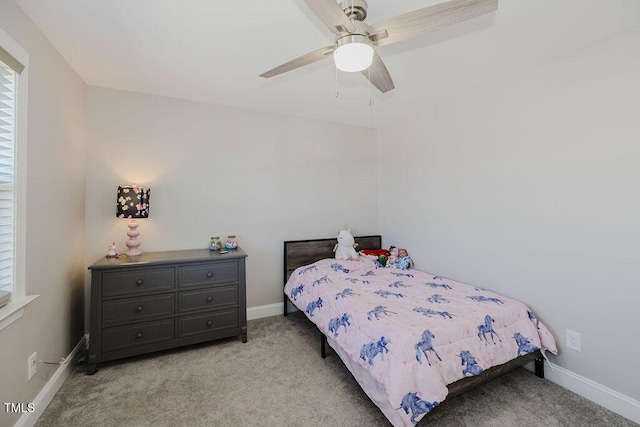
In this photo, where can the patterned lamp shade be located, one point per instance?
(133, 202)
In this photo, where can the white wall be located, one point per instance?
(530, 187)
(217, 170)
(53, 324)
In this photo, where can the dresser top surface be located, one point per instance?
(166, 257)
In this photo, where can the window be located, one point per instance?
(13, 85)
(7, 173)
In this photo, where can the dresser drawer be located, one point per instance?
(207, 274)
(207, 323)
(137, 281)
(135, 335)
(137, 309)
(208, 299)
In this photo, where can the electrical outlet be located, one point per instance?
(573, 341)
(32, 365)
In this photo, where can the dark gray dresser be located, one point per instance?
(161, 300)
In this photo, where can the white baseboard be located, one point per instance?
(264, 311)
(269, 310)
(42, 400)
(602, 395)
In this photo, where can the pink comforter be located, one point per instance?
(413, 331)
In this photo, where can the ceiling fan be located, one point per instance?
(354, 39)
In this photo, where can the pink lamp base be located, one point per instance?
(133, 243)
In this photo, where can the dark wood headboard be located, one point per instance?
(303, 252)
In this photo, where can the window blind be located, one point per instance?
(7, 189)
(10, 61)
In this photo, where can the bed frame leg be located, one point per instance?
(323, 345)
(286, 305)
(539, 367)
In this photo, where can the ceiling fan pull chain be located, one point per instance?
(337, 93)
(371, 105)
(369, 84)
(373, 116)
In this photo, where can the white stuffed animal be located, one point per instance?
(345, 247)
(112, 251)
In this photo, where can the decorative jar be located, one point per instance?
(231, 242)
(215, 244)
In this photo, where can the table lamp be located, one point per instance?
(133, 203)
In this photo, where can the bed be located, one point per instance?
(410, 338)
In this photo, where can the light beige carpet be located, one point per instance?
(279, 379)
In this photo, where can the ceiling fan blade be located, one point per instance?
(378, 75)
(307, 59)
(428, 19)
(331, 15)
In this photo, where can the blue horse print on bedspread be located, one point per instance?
(439, 285)
(430, 313)
(398, 284)
(308, 269)
(469, 363)
(311, 307)
(425, 345)
(534, 319)
(379, 311)
(347, 292)
(411, 402)
(386, 294)
(323, 279)
(438, 299)
(372, 349)
(487, 328)
(296, 291)
(524, 345)
(354, 280)
(368, 273)
(336, 322)
(338, 267)
(482, 298)
(402, 274)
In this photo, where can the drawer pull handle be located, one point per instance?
(139, 335)
(209, 323)
(139, 282)
(139, 308)
(209, 299)
(209, 275)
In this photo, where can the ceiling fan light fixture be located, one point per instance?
(353, 53)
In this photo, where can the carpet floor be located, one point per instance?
(279, 379)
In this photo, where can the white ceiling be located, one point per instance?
(213, 51)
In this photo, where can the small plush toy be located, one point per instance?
(344, 249)
(112, 250)
(393, 257)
